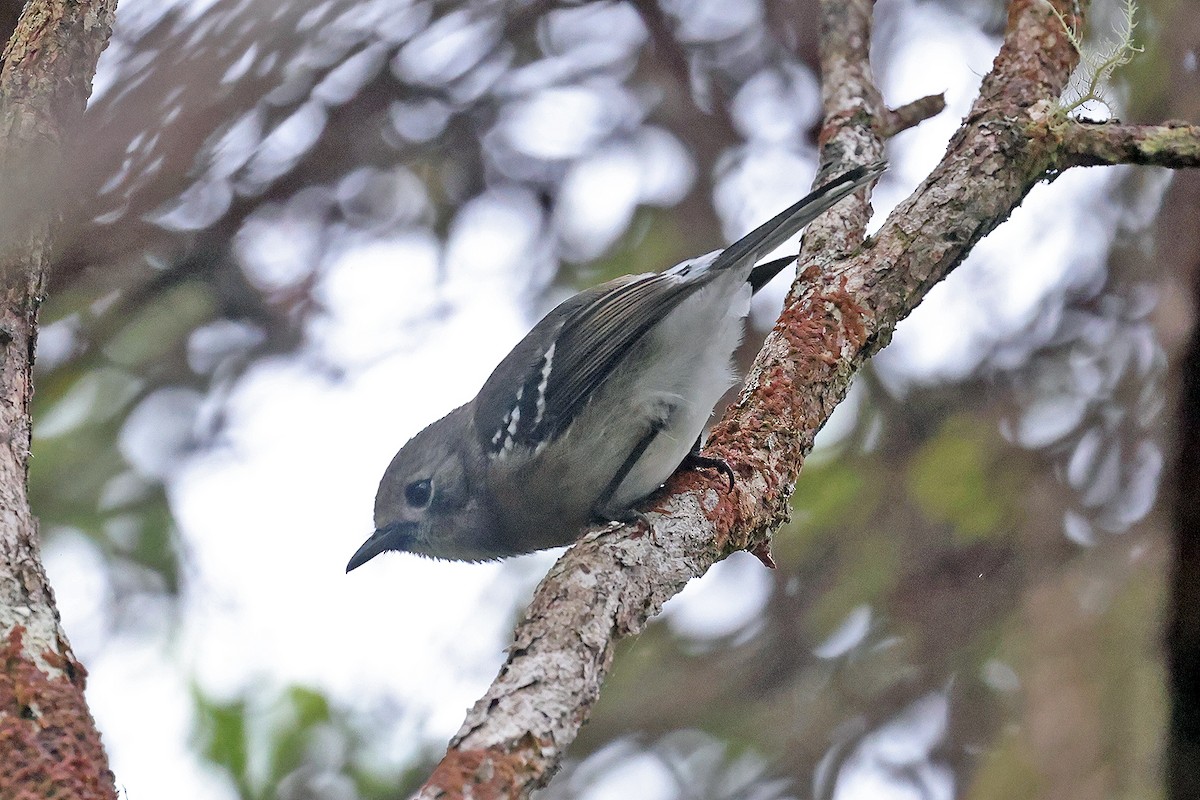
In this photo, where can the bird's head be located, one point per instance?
(426, 503)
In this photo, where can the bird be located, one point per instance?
(591, 411)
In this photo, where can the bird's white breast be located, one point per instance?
(695, 342)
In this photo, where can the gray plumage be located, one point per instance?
(590, 412)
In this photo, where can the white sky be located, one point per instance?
(271, 516)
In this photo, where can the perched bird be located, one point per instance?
(590, 412)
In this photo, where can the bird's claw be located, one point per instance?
(694, 460)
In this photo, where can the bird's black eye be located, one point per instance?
(418, 493)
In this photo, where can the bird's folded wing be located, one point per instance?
(568, 356)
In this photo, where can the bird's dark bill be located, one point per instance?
(393, 537)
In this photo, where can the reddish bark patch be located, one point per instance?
(50, 745)
(811, 339)
(853, 315)
(786, 410)
(485, 774)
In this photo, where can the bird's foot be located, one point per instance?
(628, 516)
(694, 460)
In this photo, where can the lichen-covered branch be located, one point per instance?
(1086, 144)
(850, 294)
(49, 742)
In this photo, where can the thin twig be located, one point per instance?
(909, 115)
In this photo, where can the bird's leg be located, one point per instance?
(694, 460)
(600, 510)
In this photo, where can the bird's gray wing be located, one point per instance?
(546, 381)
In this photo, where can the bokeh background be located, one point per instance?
(300, 231)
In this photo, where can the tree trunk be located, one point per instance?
(50, 744)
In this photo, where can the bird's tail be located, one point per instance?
(777, 230)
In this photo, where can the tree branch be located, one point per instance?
(909, 115)
(50, 743)
(843, 309)
(1175, 144)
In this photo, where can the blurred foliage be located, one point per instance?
(954, 480)
(290, 747)
(929, 625)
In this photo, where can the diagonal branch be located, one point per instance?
(850, 295)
